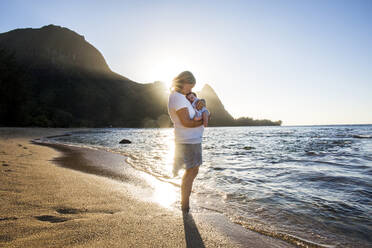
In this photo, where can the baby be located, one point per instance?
(202, 113)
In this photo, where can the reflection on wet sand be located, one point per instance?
(164, 194)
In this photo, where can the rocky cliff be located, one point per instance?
(52, 76)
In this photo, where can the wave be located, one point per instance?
(292, 239)
(362, 136)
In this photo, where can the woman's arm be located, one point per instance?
(183, 115)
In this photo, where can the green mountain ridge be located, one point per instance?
(53, 45)
(53, 77)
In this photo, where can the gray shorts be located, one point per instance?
(187, 156)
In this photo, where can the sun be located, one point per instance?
(165, 69)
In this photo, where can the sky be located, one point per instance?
(302, 62)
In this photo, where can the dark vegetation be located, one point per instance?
(52, 77)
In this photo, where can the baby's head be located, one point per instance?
(191, 96)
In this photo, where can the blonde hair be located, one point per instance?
(184, 77)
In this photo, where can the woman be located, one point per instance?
(188, 134)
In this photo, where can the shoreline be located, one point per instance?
(98, 195)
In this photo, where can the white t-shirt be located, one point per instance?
(182, 134)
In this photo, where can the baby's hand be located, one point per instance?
(198, 118)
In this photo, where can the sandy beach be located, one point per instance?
(57, 197)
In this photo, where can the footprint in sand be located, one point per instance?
(70, 210)
(51, 218)
(79, 211)
(8, 218)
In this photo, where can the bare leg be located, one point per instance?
(186, 186)
(205, 118)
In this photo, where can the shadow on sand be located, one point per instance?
(192, 235)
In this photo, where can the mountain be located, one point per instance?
(53, 45)
(51, 76)
(219, 117)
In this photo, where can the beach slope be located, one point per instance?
(44, 205)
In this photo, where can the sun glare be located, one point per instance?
(170, 153)
(164, 193)
(165, 69)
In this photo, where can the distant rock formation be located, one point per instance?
(125, 141)
(220, 117)
(52, 77)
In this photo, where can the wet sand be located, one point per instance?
(60, 197)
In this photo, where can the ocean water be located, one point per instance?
(309, 185)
